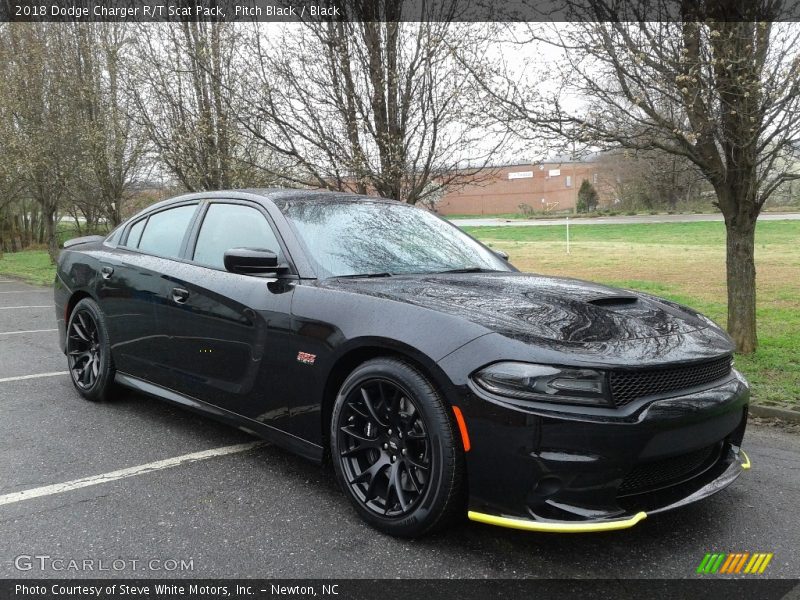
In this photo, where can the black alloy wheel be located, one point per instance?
(384, 447)
(395, 450)
(88, 351)
(83, 349)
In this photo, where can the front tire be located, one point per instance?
(89, 352)
(395, 449)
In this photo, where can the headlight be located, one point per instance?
(545, 383)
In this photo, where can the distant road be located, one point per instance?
(479, 222)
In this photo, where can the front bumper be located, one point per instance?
(733, 471)
(541, 470)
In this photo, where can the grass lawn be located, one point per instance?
(684, 262)
(32, 266)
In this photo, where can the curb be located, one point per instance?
(770, 412)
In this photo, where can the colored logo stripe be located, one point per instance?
(733, 563)
(758, 563)
(726, 566)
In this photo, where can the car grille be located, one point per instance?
(669, 471)
(627, 386)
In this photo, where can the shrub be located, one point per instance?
(525, 209)
(587, 197)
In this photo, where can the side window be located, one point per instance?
(165, 230)
(113, 238)
(135, 234)
(227, 226)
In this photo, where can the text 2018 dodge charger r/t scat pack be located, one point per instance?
(438, 379)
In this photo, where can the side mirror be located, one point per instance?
(252, 261)
(501, 254)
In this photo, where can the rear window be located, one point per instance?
(135, 234)
(165, 230)
(114, 236)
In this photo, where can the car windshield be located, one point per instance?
(381, 239)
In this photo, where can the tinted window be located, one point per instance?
(350, 238)
(227, 226)
(165, 230)
(135, 234)
(113, 238)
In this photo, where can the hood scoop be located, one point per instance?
(618, 304)
(614, 301)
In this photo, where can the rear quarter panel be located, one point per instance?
(77, 271)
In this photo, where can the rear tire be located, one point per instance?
(395, 449)
(91, 367)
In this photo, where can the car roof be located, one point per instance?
(273, 195)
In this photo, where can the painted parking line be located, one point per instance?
(32, 306)
(35, 376)
(68, 486)
(27, 331)
(26, 291)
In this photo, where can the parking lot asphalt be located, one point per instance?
(262, 512)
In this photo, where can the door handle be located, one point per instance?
(180, 295)
(106, 272)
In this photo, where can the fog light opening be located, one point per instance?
(547, 486)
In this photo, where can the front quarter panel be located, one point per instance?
(332, 319)
(329, 324)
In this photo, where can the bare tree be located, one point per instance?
(722, 92)
(10, 182)
(181, 75)
(37, 79)
(113, 147)
(366, 105)
(652, 179)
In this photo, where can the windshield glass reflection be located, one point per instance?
(381, 239)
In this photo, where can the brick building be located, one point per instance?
(551, 187)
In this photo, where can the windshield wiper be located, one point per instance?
(364, 275)
(469, 270)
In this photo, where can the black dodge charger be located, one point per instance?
(436, 378)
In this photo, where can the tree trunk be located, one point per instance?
(25, 227)
(49, 218)
(74, 214)
(40, 236)
(741, 271)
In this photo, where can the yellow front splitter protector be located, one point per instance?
(745, 460)
(526, 525)
(589, 527)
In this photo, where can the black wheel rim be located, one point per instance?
(83, 349)
(384, 448)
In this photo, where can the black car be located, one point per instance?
(435, 377)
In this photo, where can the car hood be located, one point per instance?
(529, 307)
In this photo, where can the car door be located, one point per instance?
(228, 331)
(131, 288)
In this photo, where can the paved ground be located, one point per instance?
(266, 513)
(480, 222)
